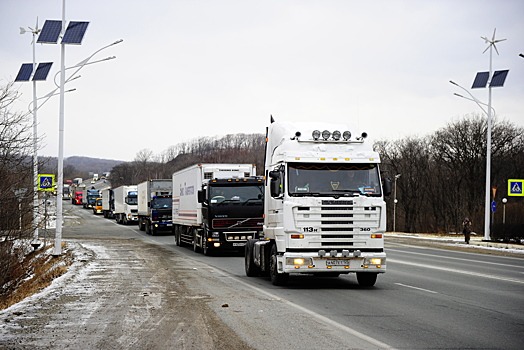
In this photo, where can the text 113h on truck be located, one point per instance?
(324, 208)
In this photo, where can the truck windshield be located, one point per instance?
(305, 179)
(161, 203)
(132, 198)
(241, 194)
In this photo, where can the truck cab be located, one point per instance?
(97, 206)
(324, 207)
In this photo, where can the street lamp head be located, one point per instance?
(452, 82)
(397, 176)
(504, 200)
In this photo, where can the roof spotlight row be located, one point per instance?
(326, 134)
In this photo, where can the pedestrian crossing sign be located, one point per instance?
(515, 187)
(46, 182)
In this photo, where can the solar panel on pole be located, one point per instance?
(499, 77)
(42, 71)
(24, 74)
(75, 32)
(481, 80)
(50, 32)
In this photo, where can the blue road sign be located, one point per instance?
(46, 182)
(515, 187)
(493, 206)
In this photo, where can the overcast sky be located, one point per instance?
(193, 68)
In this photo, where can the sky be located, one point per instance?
(207, 68)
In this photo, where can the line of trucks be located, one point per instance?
(319, 208)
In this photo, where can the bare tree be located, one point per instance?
(16, 187)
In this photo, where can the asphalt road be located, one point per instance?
(430, 298)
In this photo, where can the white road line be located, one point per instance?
(464, 272)
(455, 258)
(417, 288)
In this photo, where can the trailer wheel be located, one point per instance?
(249, 262)
(141, 226)
(278, 279)
(366, 279)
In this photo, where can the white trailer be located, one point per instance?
(324, 208)
(154, 205)
(126, 204)
(108, 203)
(217, 206)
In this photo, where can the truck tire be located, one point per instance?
(178, 242)
(205, 249)
(141, 226)
(150, 230)
(366, 279)
(195, 244)
(277, 279)
(249, 262)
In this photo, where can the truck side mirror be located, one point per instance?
(275, 184)
(386, 186)
(201, 196)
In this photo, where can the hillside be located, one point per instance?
(81, 165)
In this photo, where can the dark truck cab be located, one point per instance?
(232, 213)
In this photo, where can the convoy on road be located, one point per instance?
(319, 209)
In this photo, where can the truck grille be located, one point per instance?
(336, 224)
(238, 223)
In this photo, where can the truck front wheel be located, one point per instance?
(278, 279)
(177, 236)
(249, 259)
(366, 279)
(195, 243)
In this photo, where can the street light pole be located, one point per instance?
(60, 172)
(35, 242)
(395, 203)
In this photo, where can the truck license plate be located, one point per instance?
(338, 262)
(241, 244)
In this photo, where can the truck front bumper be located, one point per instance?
(344, 262)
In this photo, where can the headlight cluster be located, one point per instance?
(335, 135)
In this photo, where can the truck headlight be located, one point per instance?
(374, 261)
(298, 261)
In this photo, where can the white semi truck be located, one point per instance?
(324, 208)
(126, 204)
(217, 206)
(154, 205)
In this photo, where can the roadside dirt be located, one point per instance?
(147, 305)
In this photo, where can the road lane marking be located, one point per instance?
(417, 288)
(455, 258)
(464, 272)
